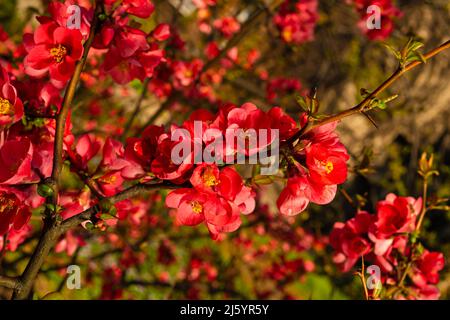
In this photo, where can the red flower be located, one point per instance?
(139, 8)
(189, 204)
(186, 72)
(87, 147)
(41, 96)
(192, 208)
(278, 86)
(69, 243)
(141, 152)
(350, 240)
(426, 269)
(11, 107)
(15, 238)
(74, 203)
(161, 32)
(395, 215)
(163, 166)
(326, 166)
(12, 212)
(218, 198)
(110, 183)
(297, 26)
(283, 122)
(319, 165)
(61, 13)
(300, 191)
(113, 155)
(55, 50)
(227, 26)
(15, 161)
(388, 13)
(138, 65)
(130, 40)
(293, 199)
(212, 50)
(226, 183)
(205, 178)
(249, 119)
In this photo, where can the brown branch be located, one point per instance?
(52, 233)
(68, 98)
(51, 230)
(126, 194)
(136, 110)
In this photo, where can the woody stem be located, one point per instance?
(51, 230)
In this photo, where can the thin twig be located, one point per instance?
(363, 104)
(8, 282)
(136, 110)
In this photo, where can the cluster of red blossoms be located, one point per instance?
(14, 217)
(215, 195)
(56, 45)
(296, 20)
(281, 86)
(383, 240)
(388, 12)
(131, 52)
(316, 166)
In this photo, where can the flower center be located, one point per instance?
(196, 207)
(209, 179)
(58, 53)
(328, 166)
(6, 204)
(6, 108)
(188, 73)
(109, 180)
(287, 34)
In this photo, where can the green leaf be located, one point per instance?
(395, 52)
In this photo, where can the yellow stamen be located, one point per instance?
(188, 73)
(6, 108)
(287, 34)
(109, 180)
(209, 179)
(6, 204)
(196, 207)
(58, 53)
(328, 166)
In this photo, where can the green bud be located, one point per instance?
(105, 205)
(44, 190)
(51, 207)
